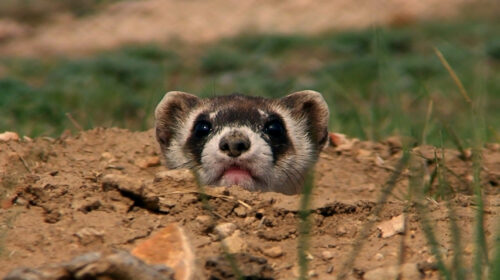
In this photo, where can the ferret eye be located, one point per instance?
(274, 128)
(202, 129)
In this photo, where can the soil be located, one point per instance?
(105, 189)
(196, 21)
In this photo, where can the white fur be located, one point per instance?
(258, 160)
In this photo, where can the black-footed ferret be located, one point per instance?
(257, 143)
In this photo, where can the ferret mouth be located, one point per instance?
(237, 175)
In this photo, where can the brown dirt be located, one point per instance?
(199, 21)
(60, 201)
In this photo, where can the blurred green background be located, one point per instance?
(378, 82)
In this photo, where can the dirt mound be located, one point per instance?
(203, 21)
(105, 189)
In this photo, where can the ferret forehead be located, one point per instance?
(238, 109)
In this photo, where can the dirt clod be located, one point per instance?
(9, 136)
(273, 252)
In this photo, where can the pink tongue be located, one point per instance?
(236, 175)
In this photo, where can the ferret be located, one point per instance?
(257, 143)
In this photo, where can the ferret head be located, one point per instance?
(257, 143)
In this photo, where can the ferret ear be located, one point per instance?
(311, 106)
(174, 107)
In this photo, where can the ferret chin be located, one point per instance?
(257, 143)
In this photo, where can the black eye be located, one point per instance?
(274, 128)
(202, 129)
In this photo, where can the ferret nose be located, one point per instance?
(234, 144)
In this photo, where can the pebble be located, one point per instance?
(240, 211)
(378, 257)
(224, 230)
(235, 243)
(326, 255)
(9, 136)
(273, 252)
(329, 270)
(407, 271)
(148, 162)
(312, 273)
(392, 227)
(341, 230)
(176, 175)
(89, 235)
(205, 223)
(106, 156)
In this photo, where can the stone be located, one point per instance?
(146, 162)
(171, 247)
(235, 243)
(378, 257)
(273, 252)
(326, 255)
(329, 270)
(89, 235)
(180, 176)
(9, 136)
(224, 230)
(240, 211)
(337, 139)
(407, 271)
(392, 227)
(122, 183)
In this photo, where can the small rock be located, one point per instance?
(171, 247)
(393, 226)
(337, 139)
(204, 223)
(273, 252)
(341, 230)
(148, 162)
(249, 220)
(407, 271)
(312, 273)
(378, 257)
(203, 219)
(493, 146)
(9, 136)
(181, 176)
(224, 230)
(326, 255)
(122, 183)
(309, 256)
(27, 139)
(106, 156)
(235, 243)
(329, 270)
(89, 235)
(240, 211)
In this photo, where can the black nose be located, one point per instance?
(234, 143)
